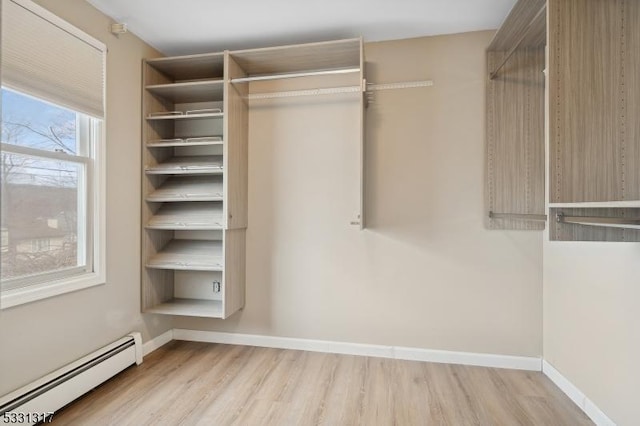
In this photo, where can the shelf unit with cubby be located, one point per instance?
(194, 188)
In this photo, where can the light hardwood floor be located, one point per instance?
(211, 384)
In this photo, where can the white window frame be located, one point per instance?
(27, 289)
(73, 279)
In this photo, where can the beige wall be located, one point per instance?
(426, 273)
(592, 322)
(42, 336)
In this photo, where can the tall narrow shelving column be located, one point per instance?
(194, 208)
(235, 154)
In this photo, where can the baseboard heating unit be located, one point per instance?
(52, 392)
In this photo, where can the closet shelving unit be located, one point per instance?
(195, 134)
(323, 68)
(194, 188)
(300, 60)
(582, 110)
(188, 188)
(594, 136)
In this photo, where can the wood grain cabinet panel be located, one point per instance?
(594, 100)
(591, 114)
(515, 154)
(515, 139)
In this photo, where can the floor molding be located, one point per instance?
(153, 344)
(395, 352)
(380, 351)
(576, 395)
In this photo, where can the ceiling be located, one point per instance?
(178, 27)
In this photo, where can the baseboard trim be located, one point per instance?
(576, 395)
(394, 352)
(158, 341)
(470, 358)
(379, 351)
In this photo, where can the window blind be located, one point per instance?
(46, 57)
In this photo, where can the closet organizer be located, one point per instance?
(194, 183)
(583, 109)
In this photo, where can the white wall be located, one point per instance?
(592, 322)
(42, 336)
(426, 273)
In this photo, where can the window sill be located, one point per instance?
(11, 298)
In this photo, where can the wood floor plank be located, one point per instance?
(188, 383)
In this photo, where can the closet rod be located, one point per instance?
(304, 92)
(494, 74)
(341, 89)
(399, 85)
(534, 217)
(294, 75)
(611, 222)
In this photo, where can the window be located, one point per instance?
(44, 245)
(51, 156)
(44, 184)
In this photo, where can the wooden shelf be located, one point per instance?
(195, 216)
(189, 255)
(597, 205)
(520, 23)
(189, 307)
(193, 91)
(184, 116)
(190, 67)
(199, 141)
(189, 188)
(301, 57)
(206, 164)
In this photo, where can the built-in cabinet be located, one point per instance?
(195, 167)
(590, 101)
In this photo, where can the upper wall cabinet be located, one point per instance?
(515, 121)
